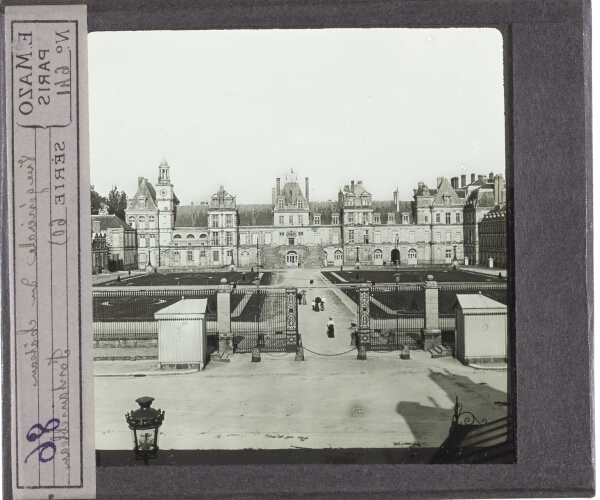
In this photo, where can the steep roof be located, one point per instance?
(191, 216)
(484, 197)
(146, 190)
(291, 192)
(111, 222)
(325, 208)
(387, 207)
(255, 215)
(446, 189)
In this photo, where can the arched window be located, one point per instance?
(142, 222)
(190, 236)
(151, 221)
(337, 255)
(378, 254)
(132, 221)
(412, 253)
(177, 237)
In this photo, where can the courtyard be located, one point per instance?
(329, 400)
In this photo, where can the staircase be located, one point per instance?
(271, 258)
(313, 256)
(442, 351)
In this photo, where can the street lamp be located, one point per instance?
(357, 256)
(144, 424)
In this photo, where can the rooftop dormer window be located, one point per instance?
(280, 203)
(300, 203)
(142, 201)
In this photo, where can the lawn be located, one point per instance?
(408, 276)
(190, 279)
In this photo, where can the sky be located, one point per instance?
(238, 108)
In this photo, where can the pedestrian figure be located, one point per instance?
(312, 305)
(353, 337)
(243, 276)
(299, 298)
(303, 297)
(130, 272)
(330, 327)
(322, 304)
(118, 278)
(357, 277)
(317, 304)
(252, 270)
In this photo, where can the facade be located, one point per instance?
(492, 235)
(121, 241)
(99, 253)
(293, 231)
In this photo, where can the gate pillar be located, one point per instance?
(224, 319)
(364, 318)
(431, 334)
(291, 318)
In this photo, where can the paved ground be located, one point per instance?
(325, 401)
(409, 276)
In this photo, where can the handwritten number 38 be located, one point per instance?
(36, 432)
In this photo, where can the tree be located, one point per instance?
(117, 203)
(97, 201)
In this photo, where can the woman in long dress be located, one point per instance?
(330, 327)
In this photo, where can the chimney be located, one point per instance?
(278, 181)
(421, 185)
(96, 226)
(352, 186)
(306, 180)
(140, 180)
(454, 182)
(463, 180)
(274, 196)
(491, 177)
(346, 188)
(472, 178)
(192, 203)
(396, 200)
(499, 189)
(481, 177)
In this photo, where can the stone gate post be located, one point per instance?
(431, 334)
(291, 318)
(224, 318)
(364, 321)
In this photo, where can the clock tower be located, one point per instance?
(166, 201)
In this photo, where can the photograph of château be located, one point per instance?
(318, 266)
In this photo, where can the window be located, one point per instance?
(229, 253)
(190, 255)
(281, 220)
(377, 236)
(190, 236)
(337, 255)
(377, 219)
(412, 237)
(366, 237)
(267, 238)
(300, 203)
(458, 218)
(203, 253)
(438, 237)
(142, 222)
(437, 218)
(317, 219)
(427, 218)
(176, 256)
(254, 238)
(280, 203)
(350, 236)
(215, 220)
(412, 253)
(390, 218)
(447, 218)
(215, 239)
(151, 221)
(448, 254)
(216, 256)
(448, 237)
(335, 238)
(142, 240)
(142, 202)
(350, 218)
(300, 220)
(229, 238)
(405, 219)
(335, 219)
(229, 221)
(378, 254)
(177, 237)
(291, 220)
(243, 239)
(317, 238)
(132, 221)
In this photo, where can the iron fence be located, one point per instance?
(259, 320)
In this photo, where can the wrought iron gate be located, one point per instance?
(391, 317)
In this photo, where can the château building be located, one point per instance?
(293, 231)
